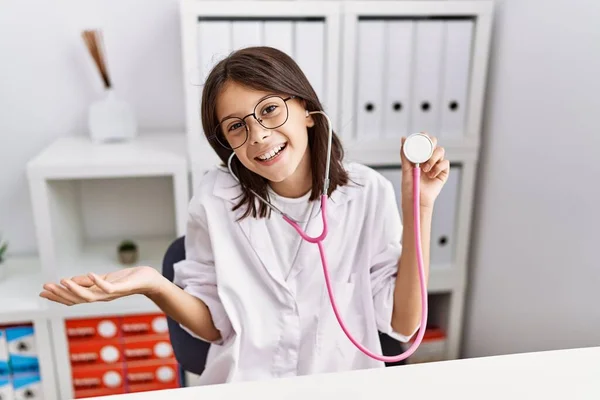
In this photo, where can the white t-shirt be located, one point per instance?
(287, 241)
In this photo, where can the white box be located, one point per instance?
(6, 389)
(27, 386)
(22, 349)
(4, 367)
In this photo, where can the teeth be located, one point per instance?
(272, 153)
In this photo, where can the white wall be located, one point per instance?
(535, 265)
(48, 80)
(535, 282)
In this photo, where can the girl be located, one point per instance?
(250, 285)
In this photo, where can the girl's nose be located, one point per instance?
(257, 132)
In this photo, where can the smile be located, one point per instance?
(273, 153)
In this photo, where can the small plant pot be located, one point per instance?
(128, 252)
(128, 257)
(2, 270)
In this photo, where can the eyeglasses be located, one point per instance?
(271, 113)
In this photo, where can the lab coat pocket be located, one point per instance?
(336, 349)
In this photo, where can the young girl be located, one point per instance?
(250, 285)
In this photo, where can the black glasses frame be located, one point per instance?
(224, 142)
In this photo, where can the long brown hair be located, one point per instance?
(271, 70)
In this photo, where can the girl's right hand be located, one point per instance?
(92, 288)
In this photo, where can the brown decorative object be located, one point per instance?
(95, 44)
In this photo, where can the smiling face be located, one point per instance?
(280, 155)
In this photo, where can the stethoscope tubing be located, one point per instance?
(319, 241)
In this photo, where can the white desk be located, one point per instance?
(563, 374)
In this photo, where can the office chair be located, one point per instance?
(191, 353)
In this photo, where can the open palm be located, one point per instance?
(91, 288)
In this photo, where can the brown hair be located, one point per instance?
(270, 70)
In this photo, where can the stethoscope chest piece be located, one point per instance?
(418, 148)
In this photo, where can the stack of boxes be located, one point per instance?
(19, 364)
(116, 355)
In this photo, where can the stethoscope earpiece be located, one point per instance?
(418, 148)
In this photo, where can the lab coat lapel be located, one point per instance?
(254, 229)
(308, 255)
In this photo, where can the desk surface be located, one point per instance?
(560, 374)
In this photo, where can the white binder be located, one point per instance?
(397, 78)
(443, 224)
(428, 53)
(246, 34)
(456, 72)
(214, 41)
(309, 53)
(279, 34)
(371, 39)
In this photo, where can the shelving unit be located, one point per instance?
(87, 198)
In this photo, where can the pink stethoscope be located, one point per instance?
(418, 148)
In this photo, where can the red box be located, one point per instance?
(98, 380)
(95, 352)
(147, 347)
(93, 329)
(143, 376)
(148, 324)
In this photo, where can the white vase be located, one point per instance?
(2, 270)
(111, 119)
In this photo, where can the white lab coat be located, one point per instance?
(272, 327)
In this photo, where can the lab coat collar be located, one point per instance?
(227, 188)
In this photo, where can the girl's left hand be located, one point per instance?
(434, 174)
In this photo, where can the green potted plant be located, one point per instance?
(128, 252)
(3, 248)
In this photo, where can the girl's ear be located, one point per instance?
(310, 122)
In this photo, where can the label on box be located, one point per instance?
(22, 352)
(98, 380)
(149, 324)
(147, 347)
(6, 389)
(4, 367)
(152, 375)
(92, 329)
(95, 352)
(27, 386)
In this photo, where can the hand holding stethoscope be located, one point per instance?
(434, 172)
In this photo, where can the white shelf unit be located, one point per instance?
(138, 190)
(440, 90)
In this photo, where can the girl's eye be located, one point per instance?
(236, 126)
(269, 109)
